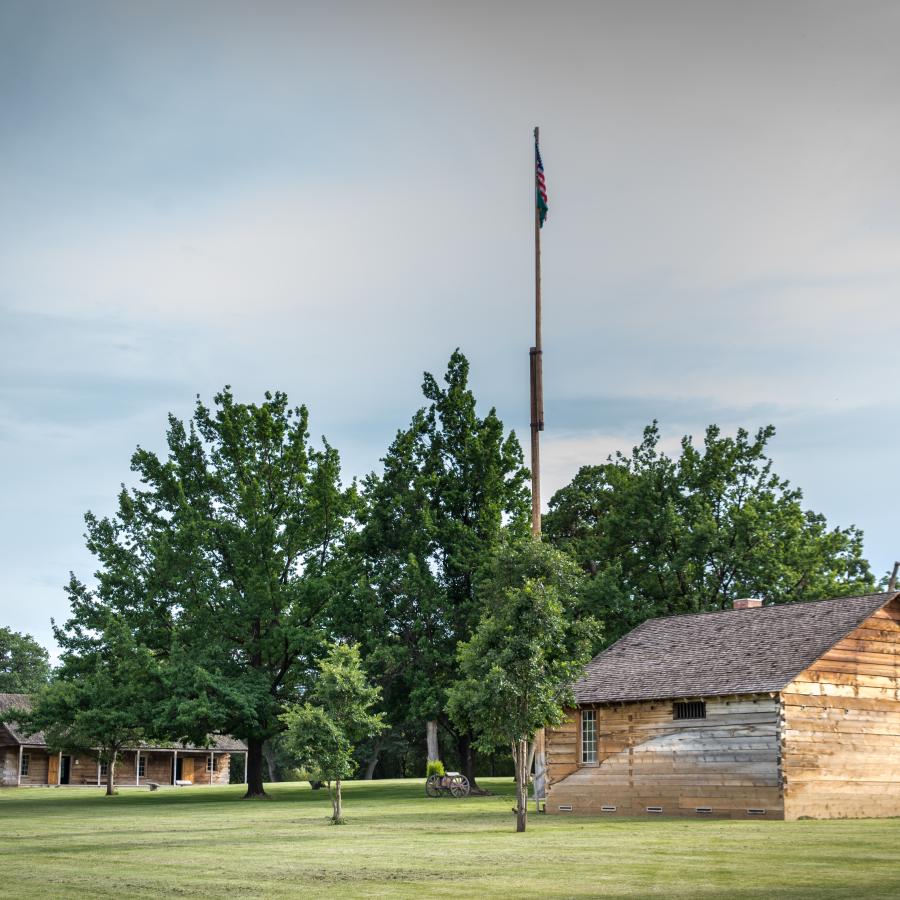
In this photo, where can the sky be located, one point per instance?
(327, 199)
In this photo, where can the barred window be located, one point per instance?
(689, 709)
(104, 769)
(209, 764)
(142, 766)
(589, 736)
(26, 762)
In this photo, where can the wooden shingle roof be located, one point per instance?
(220, 742)
(18, 701)
(737, 651)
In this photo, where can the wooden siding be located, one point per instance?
(841, 727)
(727, 762)
(38, 766)
(9, 766)
(83, 770)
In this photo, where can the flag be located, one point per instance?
(540, 185)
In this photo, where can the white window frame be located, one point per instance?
(104, 769)
(588, 737)
(26, 765)
(142, 766)
(209, 764)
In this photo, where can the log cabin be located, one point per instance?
(776, 712)
(25, 759)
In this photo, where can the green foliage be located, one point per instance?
(24, 663)
(517, 670)
(224, 562)
(434, 767)
(529, 647)
(453, 482)
(661, 535)
(322, 732)
(104, 692)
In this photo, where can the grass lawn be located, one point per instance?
(208, 842)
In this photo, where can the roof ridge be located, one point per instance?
(788, 603)
(711, 654)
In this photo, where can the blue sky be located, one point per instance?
(328, 201)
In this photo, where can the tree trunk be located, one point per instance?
(467, 761)
(111, 775)
(431, 739)
(254, 769)
(270, 760)
(521, 785)
(373, 760)
(338, 811)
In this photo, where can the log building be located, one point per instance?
(776, 712)
(25, 759)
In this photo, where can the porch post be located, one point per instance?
(245, 767)
(174, 766)
(137, 766)
(19, 774)
(98, 770)
(212, 764)
(59, 770)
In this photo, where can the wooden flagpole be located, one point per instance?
(537, 426)
(537, 386)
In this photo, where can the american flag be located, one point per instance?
(540, 185)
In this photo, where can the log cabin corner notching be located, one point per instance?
(25, 759)
(777, 712)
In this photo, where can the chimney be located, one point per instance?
(748, 603)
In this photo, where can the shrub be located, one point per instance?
(434, 767)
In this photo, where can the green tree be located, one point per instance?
(223, 561)
(323, 732)
(664, 536)
(103, 695)
(517, 670)
(24, 663)
(453, 483)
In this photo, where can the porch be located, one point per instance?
(135, 767)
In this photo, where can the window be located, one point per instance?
(26, 762)
(589, 736)
(689, 709)
(209, 764)
(142, 766)
(104, 769)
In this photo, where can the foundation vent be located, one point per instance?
(756, 812)
(608, 808)
(706, 810)
(567, 808)
(654, 809)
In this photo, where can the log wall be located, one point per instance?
(841, 727)
(38, 766)
(725, 764)
(83, 771)
(9, 766)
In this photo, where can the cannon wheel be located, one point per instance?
(459, 787)
(433, 786)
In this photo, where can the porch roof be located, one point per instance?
(219, 743)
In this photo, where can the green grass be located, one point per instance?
(208, 842)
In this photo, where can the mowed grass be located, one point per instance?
(208, 842)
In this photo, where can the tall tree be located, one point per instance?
(323, 732)
(517, 670)
(662, 535)
(453, 483)
(104, 693)
(24, 663)
(223, 561)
